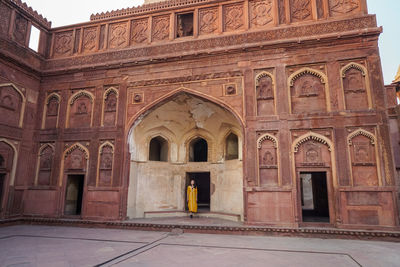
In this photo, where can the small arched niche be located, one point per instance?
(198, 150)
(158, 149)
(232, 147)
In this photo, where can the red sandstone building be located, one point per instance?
(277, 108)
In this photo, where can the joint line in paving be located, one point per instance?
(131, 253)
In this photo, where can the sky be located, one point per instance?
(62, 13)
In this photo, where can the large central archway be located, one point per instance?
(182, 137)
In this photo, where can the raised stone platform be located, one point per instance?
(212, 226)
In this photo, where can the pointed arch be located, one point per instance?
(297, 74)
(181, 90)
(40, 153)
(80, 93)
(72, 100)
(22, 110)
(15, 158)
(265, 96)
(311, 136)
(100, 152)
(221, 139)
(318, 138)
(303, 71)
(364, 73)
(46, 103)
(373, 142)
(363, 132)
(68, 151)
(267, 137)
(111, 90)
(274, 140)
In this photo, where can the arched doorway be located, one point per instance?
(195, 130)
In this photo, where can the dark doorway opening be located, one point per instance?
(74, 194)
(184, 25)
(198, 150)
(2, 180)
(202, 180)
(314, 197)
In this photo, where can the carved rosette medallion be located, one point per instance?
(89, 39)
(118, 35)
(160, 28)
(139, 31)
(261, 13)
(340, 7)
(63, 43)
(208, 20)
(233, 17)
(300, 10)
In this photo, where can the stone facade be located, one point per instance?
(276, 107)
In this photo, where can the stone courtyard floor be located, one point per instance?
(27, 245)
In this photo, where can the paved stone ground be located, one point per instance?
(27, 245)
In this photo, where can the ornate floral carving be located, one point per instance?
(217, 43)
(339, 7)
(261, 13)
(20, 29)
(300, 10)
(63, 43)
(233, 17)
(139, 31)
(208, 20)
(312, 152)
(160, 28)
(89, 39)
(118, 35)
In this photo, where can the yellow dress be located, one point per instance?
(192, 198)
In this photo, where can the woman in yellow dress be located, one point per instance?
(192, 198)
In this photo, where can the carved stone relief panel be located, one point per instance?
(160, 28)
(300, 10)
(308, 94)
(313, 153)
(118, 35)
(81, 112)
(268, 162)
(110, 109)
(265, 94)
(20, 29)
(233, 17)
(363, 159)
(355, 91)
(63, 43)
(10, 106)
(342, 7)
(261, 13)
(208, 20)
(76, 160)
(5, 13)
(89, 39)
(106, 165)
(139, 31)
(45, 166)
